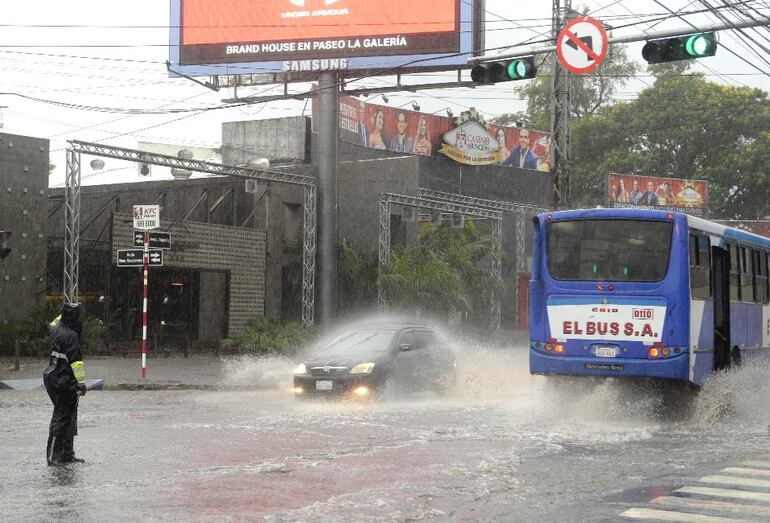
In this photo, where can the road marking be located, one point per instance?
(736, 481)
(727, 493)
(756, 463)
(746, 471)
(666, 515)
(705, 504)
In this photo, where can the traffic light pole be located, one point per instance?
(561, 130)
(757, 21)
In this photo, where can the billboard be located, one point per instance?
(466, 139)
(232, 37)
(670, 194)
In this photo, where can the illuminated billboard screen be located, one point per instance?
(219, 37)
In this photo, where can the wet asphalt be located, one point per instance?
(224, 440)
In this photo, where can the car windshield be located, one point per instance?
(608, 250)
(358, 342)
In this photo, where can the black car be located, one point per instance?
(377, 360)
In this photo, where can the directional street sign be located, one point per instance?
(158, 240)
(133, 257)
(581, 45)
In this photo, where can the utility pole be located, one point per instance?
(561, 130)
(328, 187)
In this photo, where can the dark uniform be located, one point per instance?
(65, 381)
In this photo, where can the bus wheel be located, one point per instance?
(735, 356)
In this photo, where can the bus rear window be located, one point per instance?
(608, 250)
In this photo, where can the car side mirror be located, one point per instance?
(405, 346)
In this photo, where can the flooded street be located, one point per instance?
(504, 447)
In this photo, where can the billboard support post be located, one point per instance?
(328, 187)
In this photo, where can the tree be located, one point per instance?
(446, 272)
(684, 126)
(590, 92)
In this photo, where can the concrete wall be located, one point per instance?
(275, 139)
(24, 212)
(361, 186)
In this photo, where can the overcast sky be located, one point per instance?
(83, 64)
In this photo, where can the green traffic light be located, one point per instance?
(516, 69)
(699, 45)
(520, 69)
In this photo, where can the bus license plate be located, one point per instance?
(606, 352)
(323, 385)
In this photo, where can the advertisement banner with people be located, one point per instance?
(466, 139)
(647, 192)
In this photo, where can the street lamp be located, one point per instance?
(415, 105)
(449, 112)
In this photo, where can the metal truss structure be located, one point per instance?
(72, 208)
(71, 227)
(521, 210)
(386, 202)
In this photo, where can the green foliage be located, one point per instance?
(32, 331)
(590, 92)
(446, 272)
(684, 126)
(264, 337)
(93, 333)
(356, 279)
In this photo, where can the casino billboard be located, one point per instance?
(669, 194)
(466, 139)
(239, 37)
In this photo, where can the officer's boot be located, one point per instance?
(68, 451)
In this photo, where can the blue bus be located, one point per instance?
(644, 293)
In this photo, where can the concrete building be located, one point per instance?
(236, 247)
(23, 212)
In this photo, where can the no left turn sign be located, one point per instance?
(581, 45)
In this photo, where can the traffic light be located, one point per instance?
(686, 47)
(493, 72)
(4, 249)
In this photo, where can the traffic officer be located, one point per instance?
(65, 382)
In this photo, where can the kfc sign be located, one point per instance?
(146, 217)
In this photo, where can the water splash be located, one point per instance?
(736, 396)
(253, 372)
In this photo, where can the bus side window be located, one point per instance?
(760, 275)
(700, 267)
(735, 286)
(765, 264)
(747, 279)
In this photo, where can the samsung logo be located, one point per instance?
(330, 64)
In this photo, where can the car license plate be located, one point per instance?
(323, 385)
(606, 352)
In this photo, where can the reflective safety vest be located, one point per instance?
(65, 354)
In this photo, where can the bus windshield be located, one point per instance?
(608, 250)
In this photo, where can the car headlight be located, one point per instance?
(362, 368)
(301, 369)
